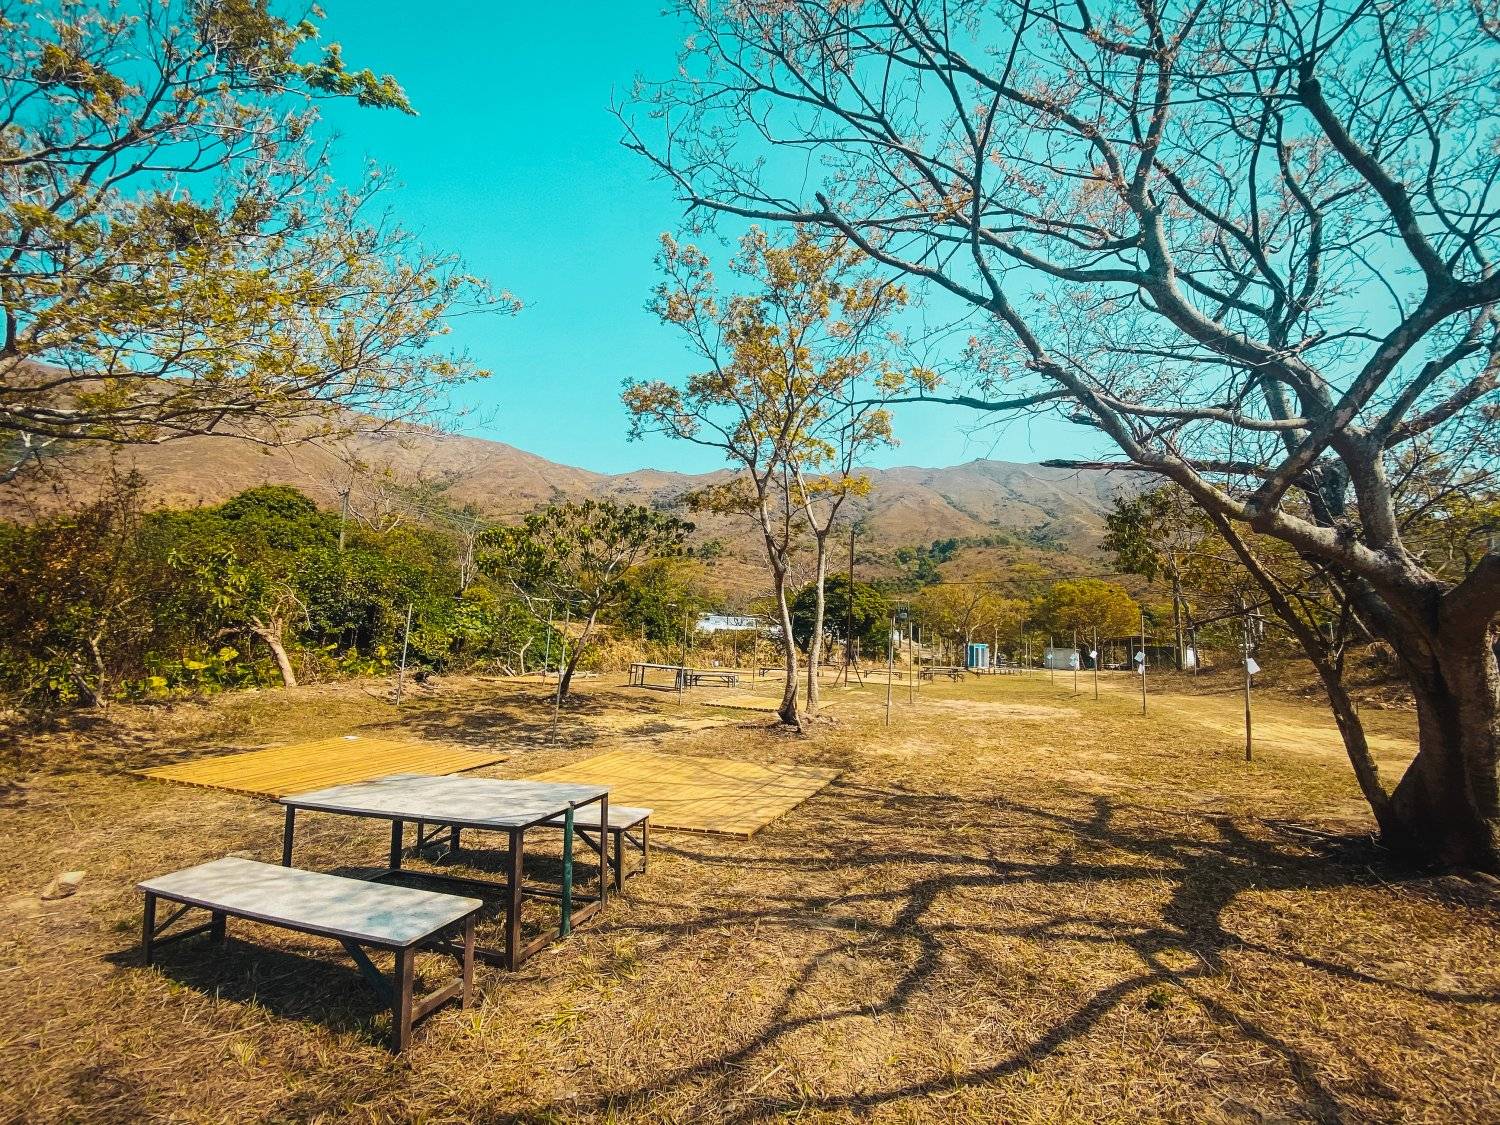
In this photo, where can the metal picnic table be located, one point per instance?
(480, 803)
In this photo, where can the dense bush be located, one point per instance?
(113, 602)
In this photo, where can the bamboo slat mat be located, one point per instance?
(303, 766)
(700, 794)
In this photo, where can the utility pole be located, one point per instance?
(1050, 656)
(1076, 661)
(562, 648)
(401, 672)
(547, 652)
(911, 665)
(1094, 656)
(1143, 662)
(890, 666)
(343, 514)
(849, 612)
(1249, 671)
(682, 674)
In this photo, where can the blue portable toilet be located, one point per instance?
(978, 657)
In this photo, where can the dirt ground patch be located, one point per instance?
(1013, 905)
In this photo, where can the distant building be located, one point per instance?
(726, 623)
(1063, 659)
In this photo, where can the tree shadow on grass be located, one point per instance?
(317, 985)
(1206, 863)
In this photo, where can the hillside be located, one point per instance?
(1046, 510)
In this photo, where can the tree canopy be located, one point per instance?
(174, 257)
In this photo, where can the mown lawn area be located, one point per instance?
(1014, 904)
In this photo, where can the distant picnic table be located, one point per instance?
(683, 675)
(953, 672)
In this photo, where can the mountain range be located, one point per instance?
(983, 501)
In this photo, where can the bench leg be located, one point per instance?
(288, 830)
(398, 828)
(645, 844)
(619, 835)
(148, 928)
(453, 838)
(513, 902)
(217, 927)
(468, 966)
(401, 999)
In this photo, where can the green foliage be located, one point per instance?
(657, 597)
(112, 602)
(1088, 604)
(577, 555)
(177, 258)
(871, 620)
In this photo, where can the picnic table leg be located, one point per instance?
(566, 923)
(468, 966)
(216, 927)
(513, 902)
(287, 832)
(619, 859)
(148, 927)
(398, 827)
(645, 844)
(603, 850)
(453, 838)
(401, 1000)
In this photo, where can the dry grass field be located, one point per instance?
(1013, 905)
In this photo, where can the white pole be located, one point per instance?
(1143, 662)
(890, 667)
(405, 637)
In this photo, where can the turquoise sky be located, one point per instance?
(515, 160)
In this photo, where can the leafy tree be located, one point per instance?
(1087, 605)
(1156, 534)
(871, 613)
(173, 257)
(778, 397)
(659, 596)
(578, 556)
(1250, 246)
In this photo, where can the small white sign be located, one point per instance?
(1093, 654)
(1251, 666)
(1140, 658)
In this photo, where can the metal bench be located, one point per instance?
(622, 818)
(727, 677)
(585, 820)
(933, 672)
(355, 911)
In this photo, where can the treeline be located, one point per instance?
(112, 601)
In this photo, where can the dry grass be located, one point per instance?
(1013, 905)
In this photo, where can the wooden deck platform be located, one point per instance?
(303, 766)
(698, 794)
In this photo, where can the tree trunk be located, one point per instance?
(815, 642)
(272, 637)
(566, 683)
(1446, 808)
(787, 712)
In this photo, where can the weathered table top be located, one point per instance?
(467, 802)
(373, 913)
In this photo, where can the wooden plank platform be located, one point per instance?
(303, 766)
(698, 794)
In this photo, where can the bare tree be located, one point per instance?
(1250, 245)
